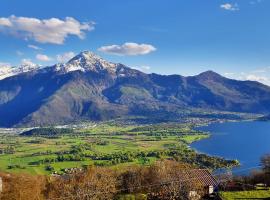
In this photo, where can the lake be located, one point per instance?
(244, 141)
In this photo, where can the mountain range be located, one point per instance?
(88, 87)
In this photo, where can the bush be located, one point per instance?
(48, 132)
(49, 168)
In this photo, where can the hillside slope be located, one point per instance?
(90, 88)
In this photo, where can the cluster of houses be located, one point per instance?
(67, 171)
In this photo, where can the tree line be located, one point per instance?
(157, 181)
(161, 180)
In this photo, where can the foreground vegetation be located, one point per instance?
(252, 194)
(164, 179)
(135, 162)
(253, 186)
(161, 180)
(51, 150)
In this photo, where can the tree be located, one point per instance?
(169, 183)
(265, 162)
(96, 183)
(163, 180)
(24, 187)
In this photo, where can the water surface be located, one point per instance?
(244, 141)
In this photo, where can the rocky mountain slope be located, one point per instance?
(90, 88)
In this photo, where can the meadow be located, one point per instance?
(104, 144)
(253, 194)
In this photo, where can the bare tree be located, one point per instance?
(265, 162)
(94, 184)
(23, 187)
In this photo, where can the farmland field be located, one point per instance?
(104, 144)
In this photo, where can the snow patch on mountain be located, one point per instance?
(85, 61)
(7, 71)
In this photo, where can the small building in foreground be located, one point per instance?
(200, 179)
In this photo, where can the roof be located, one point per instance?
(201, 176)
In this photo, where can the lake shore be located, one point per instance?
(242, 140)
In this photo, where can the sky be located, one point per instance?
(187, 37)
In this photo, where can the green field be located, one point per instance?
(104, 144)
(253, 194)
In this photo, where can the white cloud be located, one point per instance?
(253, 77)
(230, 7)
(229, 74)
(260, 75)
(62, 58)
(5, 69)
(4, 64)
(34, 47)
(51, 30)
(5, 22)
(145, 67)
(129, 48)
(43, 57)
(27, 62)
(258, 78)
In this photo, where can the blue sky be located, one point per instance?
(231, 37)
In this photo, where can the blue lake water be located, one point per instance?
(244, 141)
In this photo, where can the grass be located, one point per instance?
(192, 138)
(253, 194)
(132, 197)
(118, 139)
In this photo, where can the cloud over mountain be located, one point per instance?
(62, 58)
(52, 30)
(43, 57)
(27, 62)
(128, 48)
(4, 64)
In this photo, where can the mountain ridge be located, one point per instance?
(90, 88)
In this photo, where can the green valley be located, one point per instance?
(57, 150)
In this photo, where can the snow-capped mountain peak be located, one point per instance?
(84, 61)
(87, 61)
(7, 71)
(28, 67)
